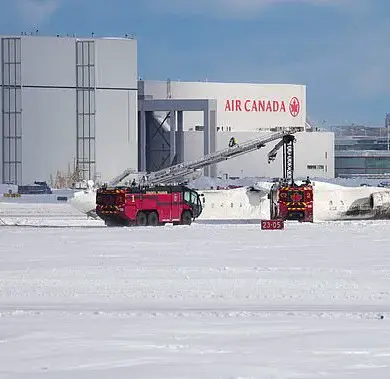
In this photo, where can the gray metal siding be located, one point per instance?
(116, 63)
(315, 154)
(58, 120)
(116, 132)
(49, 133)
(48, 61)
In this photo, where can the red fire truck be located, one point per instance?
(288, 200)
(292, 202)
(154, 205)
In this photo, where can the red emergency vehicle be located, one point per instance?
(288, 200)
(292, 202)
(154, 205)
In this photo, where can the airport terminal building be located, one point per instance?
(75, 107)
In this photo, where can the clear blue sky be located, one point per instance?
(339, 48)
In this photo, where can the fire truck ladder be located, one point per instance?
(287, 143)
(120, 177)
(179, 171)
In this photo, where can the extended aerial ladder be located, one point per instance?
(123, 175)
(179, 171)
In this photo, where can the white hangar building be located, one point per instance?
(66, 103)
(241, 110)
(75, 104)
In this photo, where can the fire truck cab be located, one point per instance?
(148, 205)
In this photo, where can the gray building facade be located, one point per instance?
(67, 104)
(73, 108)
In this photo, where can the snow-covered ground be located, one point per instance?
(43, 214)
(204, 301)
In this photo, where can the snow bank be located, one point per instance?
(8, 188)
(234, 204)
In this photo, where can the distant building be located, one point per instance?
(361, 150)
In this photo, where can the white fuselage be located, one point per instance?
(85, 201)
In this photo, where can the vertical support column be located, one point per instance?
(387, 126)
(180, 138)
(172, 138)
(206, 136)
(213, 140)
(85, 109)
(11, 110)
(284, 159)
(1, 115)
(142, 139)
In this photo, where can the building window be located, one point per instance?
(315, 167)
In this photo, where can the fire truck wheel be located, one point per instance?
(153, 219)
(141, 219)
(186, 218)
(111, 223)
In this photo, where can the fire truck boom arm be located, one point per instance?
(180, 170)
(274, 151)
(121, 176)
(287, 142)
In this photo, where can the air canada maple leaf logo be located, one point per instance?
(294, 106)
(296, 197)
